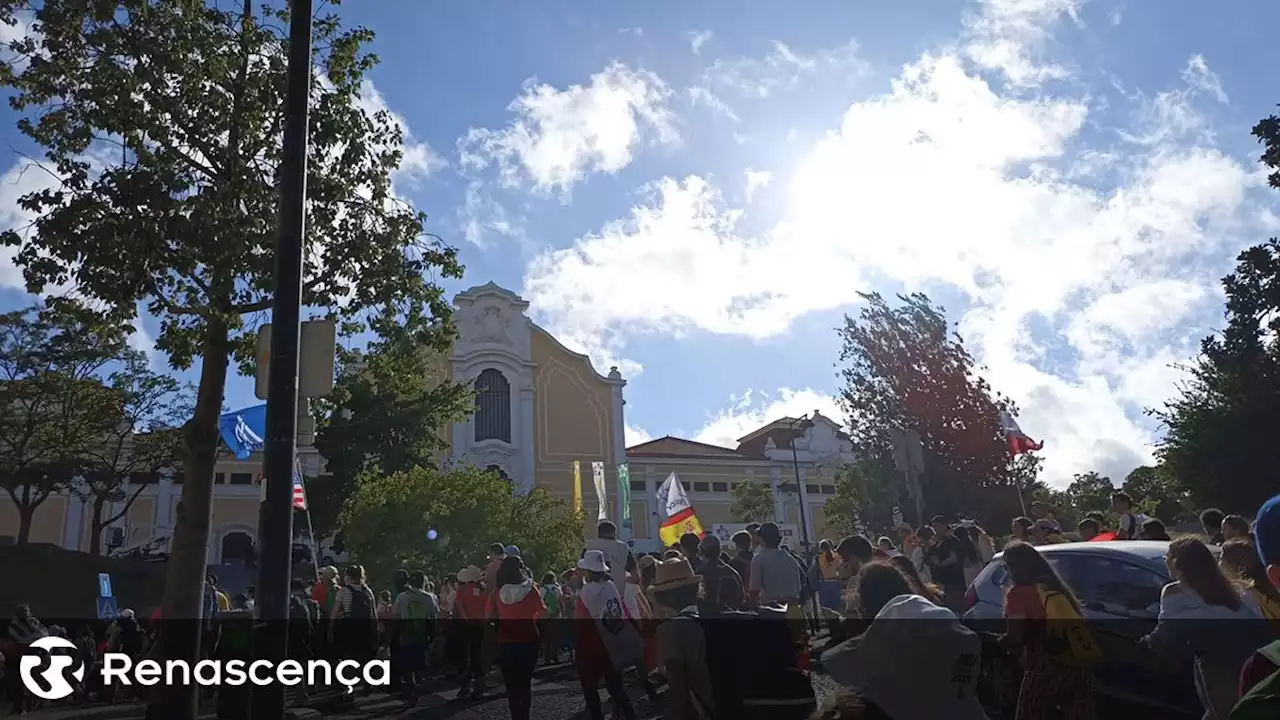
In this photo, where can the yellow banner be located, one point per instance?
(670, 533)
(577, 486)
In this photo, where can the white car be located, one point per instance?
(1118, 584)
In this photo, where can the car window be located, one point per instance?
(1111, 585)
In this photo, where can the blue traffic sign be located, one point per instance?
(107, 608)
(104, 585)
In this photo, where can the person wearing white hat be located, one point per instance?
(469, 609)
(610, 643)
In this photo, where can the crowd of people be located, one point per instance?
(727, 628)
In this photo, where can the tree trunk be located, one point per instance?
(96, 528)
(25, 513)
(188, 554)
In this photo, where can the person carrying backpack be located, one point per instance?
(1260, 676)
(415, 612)
(1130, 522)
(1058, 649)
(354, 630)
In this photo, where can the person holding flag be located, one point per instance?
(678, 513)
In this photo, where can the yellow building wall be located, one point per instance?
(46, 524)
(235, 511)
(573, 420)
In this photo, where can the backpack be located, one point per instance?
(417, 627)
(1068, 638)
(1262, 702)
(753, 662)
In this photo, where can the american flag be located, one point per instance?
(299, 495)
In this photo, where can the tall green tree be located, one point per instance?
(1219, 442)
(904, 367)
(162, 120)
(752, 502)
(142, 413)
(1089, 492)
(389, 411)
(864, 492)
(387, 522)
(56, 407)
(1155, 493)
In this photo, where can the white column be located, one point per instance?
(807, 514)
(779, 507)
(619, 443)
(73, 522)
(651, 503)
(164, 502)
(525, 481)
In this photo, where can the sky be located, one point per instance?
(697, 192)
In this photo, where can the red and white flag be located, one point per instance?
(1018, 441)
(299, 495)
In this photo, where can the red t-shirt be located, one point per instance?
(1023, 604)
(470, 603)
(1256, 669)
(518, 621)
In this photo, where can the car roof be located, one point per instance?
(1151, 551)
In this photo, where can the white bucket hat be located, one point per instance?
(593, 561)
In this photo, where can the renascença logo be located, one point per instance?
(47, 678)
(47, 663)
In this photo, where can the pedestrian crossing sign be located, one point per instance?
(107, 609)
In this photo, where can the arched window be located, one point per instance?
(501, 473)
(237, 546)
(493, 407)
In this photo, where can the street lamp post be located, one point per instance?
(803, 423)
(275, 525)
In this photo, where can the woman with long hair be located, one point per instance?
(1204, 616)
(1240, 562)
(517, 607)
(929, 591)
(1051, 679)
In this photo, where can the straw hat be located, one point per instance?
(671, 574)
(646, 561)
(470, 574)
(593, 560)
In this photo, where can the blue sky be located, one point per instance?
(695, 192)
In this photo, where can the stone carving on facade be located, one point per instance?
(491, 326)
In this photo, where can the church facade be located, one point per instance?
(539, 408)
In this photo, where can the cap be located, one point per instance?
(1266, 530)
(511, 551)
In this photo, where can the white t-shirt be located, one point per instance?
(615, 553)
(1131, 524)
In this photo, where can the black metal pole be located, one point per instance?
(795, 463)
(800, 495)
(275, 521)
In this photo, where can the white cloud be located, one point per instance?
(697, 39)
(753, 410)
(142, 340)
(559, 136)
(763, 77)
(635, 435)
(419, 159)
(757, 180)
(482, 216)
(1081, 294)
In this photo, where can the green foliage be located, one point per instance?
(1219, 442)
(386, 520)
(1156, 494)
(386, 413)
(864, 492)
(1089, 492)
(142, 415)
(752, 502)
(161, 122)
(56, 407)
(903, 367)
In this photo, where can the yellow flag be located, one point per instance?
(577, 486)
